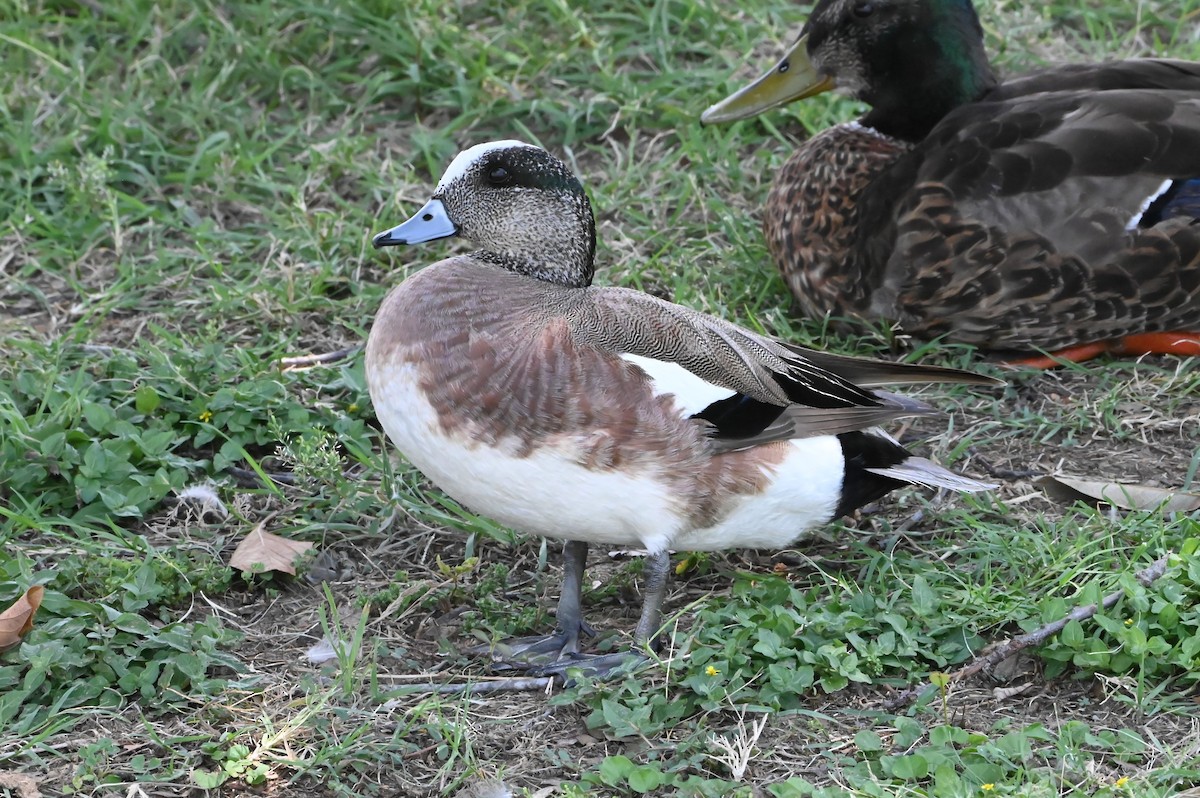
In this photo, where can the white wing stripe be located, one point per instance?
(692, 394)
(1146, 203)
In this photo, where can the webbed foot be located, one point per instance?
(594, 666)
(536, 650)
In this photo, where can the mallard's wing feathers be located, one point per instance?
(1164, 74)
(1077, 167)
(1042, 206)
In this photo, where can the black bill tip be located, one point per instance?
(386, 239)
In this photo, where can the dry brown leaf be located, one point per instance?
(1125, 496)
(1005, 693)
(262, 551)
(487, 788)
(17, 620)
(24, 786)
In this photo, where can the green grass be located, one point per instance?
(187, 194)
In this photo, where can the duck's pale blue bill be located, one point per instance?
(426, 224)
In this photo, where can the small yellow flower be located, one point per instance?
(353, 408)
(987, 787)
(1129, 621)
(1121, 782)
(711, 671)
(205, 416)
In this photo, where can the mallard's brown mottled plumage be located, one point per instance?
(1049, 211)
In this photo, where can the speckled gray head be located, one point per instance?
(519, 204)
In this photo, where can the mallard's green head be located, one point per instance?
(912, 61)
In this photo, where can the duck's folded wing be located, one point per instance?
(718, 352)
(730, 431)
(1065, 195)
(1163, 74)
(748, 388)
(869, 373)
(1079, 155)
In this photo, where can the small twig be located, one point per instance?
(306, 361)
(1002, 652)
(996, 472)
(515, 684)
(1146, 576)
(247, 477)
(420, 752)
(737, 751)
(911, 521)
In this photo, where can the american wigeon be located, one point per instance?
(1058, 211)
(605, 415)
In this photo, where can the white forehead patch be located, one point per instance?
(463, 162)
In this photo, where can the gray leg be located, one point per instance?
(600, 666)
(570, 600)
(658, 572)
(564, 643)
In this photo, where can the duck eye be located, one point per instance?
(864, 9)
(498, 176)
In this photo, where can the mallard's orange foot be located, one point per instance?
(1072, 354)
(1176, 342)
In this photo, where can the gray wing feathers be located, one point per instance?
(870, 373)
(724, 354)
(627, 321)
(919, 471)
(801, 421)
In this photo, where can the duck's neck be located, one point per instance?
(550, 241)
(932, 65)
(556, 255)
(811, 218)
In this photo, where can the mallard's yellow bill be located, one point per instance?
(793, 78)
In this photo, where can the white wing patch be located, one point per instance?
(692, 394)
(1146, 203)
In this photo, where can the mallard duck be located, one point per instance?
(605, 415)
(1057, 211)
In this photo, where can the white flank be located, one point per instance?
(803, 495)
(463, 162)
(549, 493)
(692, 394)
(545, 493)
(1146, 203)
